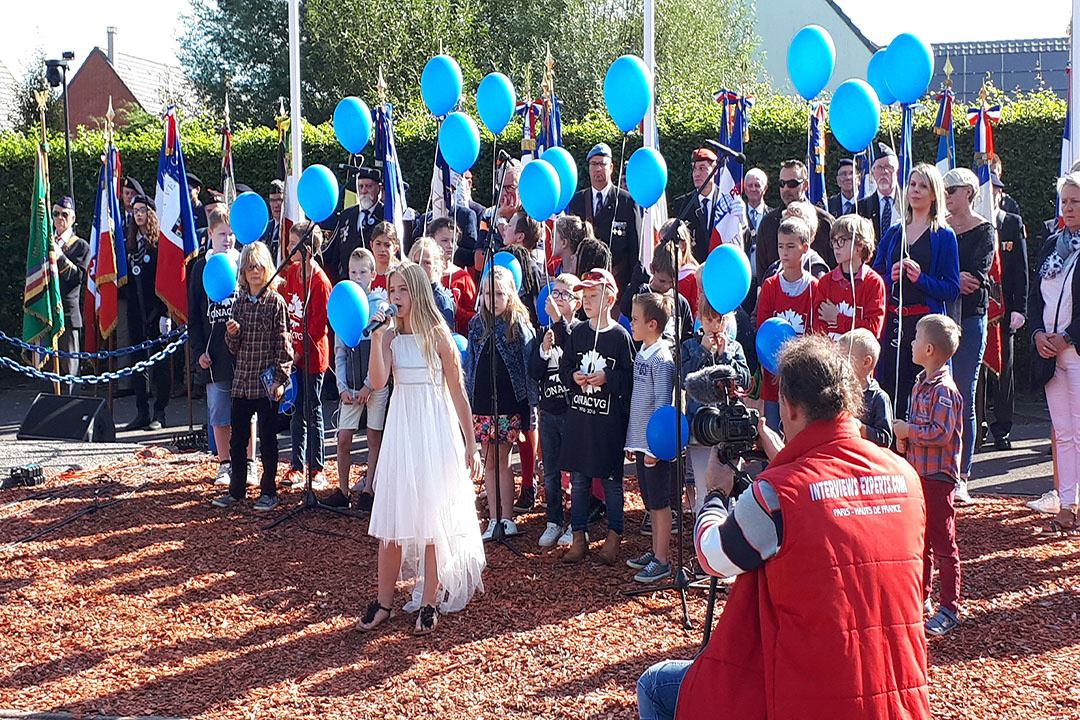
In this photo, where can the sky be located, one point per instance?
(150, 30)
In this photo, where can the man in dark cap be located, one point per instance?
(354, 224)
(883, 207)
(613, 213)
(847, 179)
(130, 190)
(194, 186)
(702, 206)
(72, 260)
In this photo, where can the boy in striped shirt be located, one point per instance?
(654, 386)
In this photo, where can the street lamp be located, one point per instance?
(56, 74)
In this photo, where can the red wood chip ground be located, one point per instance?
(161, 605)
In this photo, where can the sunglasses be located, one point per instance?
(59, 213)
(952, 190)
(792, 184)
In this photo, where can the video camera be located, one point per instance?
(724, 421)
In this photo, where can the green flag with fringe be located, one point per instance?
(43, 310)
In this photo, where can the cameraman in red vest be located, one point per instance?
(825, 620)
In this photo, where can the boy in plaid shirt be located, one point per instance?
(932, 441)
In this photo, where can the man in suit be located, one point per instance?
(1008, 204)
(794, 183)
(197, 208)
(847, 178)
(354, 224)
(613, 213)
(699, 209)
(130, 190)
(72, 260)
(1012, 245)
(272, 236)
(883, 207)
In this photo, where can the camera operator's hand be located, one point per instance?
(718, 475)
(770, 441)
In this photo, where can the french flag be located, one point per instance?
(177, 242)
(730, 214)
(108, 257)
(982, 118)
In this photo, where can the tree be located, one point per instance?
(243, 45)
(25, 115)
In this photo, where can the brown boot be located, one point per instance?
(611, 548)
(578, 550)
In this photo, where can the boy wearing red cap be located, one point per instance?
(598, 368)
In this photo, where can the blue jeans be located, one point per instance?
(772, 414)
(965, 368)
(551, 435)
(658, 689)
(307, 382)
(580, 492)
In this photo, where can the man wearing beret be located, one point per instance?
(72, 260)
(355, 223)
(702, 206)
(130, 190)
(613, 213)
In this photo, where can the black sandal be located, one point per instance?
(426, 620)
(372, 619)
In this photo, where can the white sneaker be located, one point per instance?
(1048, 504)
(567, 538)
(551, 535)
(489, 532)
(252, 473)
(962, 496)
(319, 482)
(510, 529)
(224, 473)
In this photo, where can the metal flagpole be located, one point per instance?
(296, 122)
(1074, 79)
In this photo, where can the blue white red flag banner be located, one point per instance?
(730, 215)
(982, 118)
(815, 156)
(228, 177)
(943, 128)
(177, 242)
(393, 183)
(108, 256)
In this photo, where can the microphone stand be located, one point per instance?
(680, 581)
(498, 534)
(311, 501)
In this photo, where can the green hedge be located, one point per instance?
(1028, 139)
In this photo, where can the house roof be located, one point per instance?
(1002, 47)
(8, 96)
(154, 85)
(871, 46)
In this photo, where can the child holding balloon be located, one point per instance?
(790, 295)
(852, 295)
(210, 300)
(311, 354)
(258, 335)
(357, 396)
(501, 335)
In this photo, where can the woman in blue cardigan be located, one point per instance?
(931, 278)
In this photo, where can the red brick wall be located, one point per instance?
(89, 91)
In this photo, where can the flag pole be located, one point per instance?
(42, 97)
(1074, 79)
(296, 121)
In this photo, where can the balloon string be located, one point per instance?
(494, 164)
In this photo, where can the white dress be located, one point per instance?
(423, 492)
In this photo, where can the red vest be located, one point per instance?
(832, 626)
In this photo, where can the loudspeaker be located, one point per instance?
(68, 417)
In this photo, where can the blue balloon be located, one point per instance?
(628, 91)
(440, 84)
(772, 334)
(726, 278)
(219, 276)
(539, 189)
(352, 124)
(541, 304)
(909, 65)
(459, 141)
(646, 176)
(875, 75)
(625, 322)
(508, 261)
(288, 399)
(854, 115)
(564, 165)
(660, 432)
(462, 344)
(348, 311)
(811, 58)
(248, 217)
(496, 101)
(317, 192)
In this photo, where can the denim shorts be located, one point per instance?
(219, 403)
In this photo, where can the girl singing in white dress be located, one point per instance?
(424, 512)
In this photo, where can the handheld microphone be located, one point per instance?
(390, 310)
(503, 156)
(725, 151)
